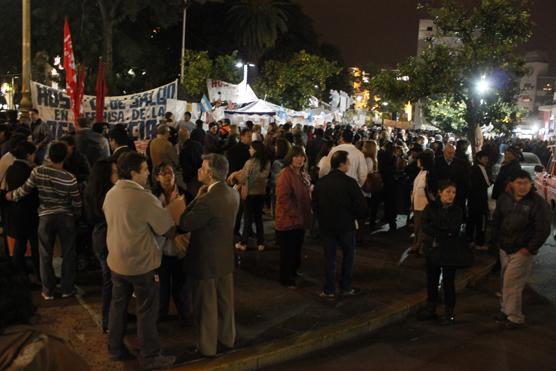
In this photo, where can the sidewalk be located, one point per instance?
(274, 323)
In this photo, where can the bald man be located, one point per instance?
(449, 167)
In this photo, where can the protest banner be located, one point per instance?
(140, 112)
(226, 92)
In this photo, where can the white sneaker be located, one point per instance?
(241, 247)
(46, 296)
(260, 247)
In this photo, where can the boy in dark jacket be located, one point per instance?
(522, 224)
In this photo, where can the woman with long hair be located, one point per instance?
(281, 149)
(370, 151)
(293, 213)
(253, 178)
(103, 176)
(424, 191)
(171, 274)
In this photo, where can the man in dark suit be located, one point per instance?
(118, 142)
(449, 167)
(210, 257)
(478, 201)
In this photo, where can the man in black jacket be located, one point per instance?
(509, 168)
(449, 167)
(337, 221)
(478, 201)
(522, 224)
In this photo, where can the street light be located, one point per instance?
(483, 85)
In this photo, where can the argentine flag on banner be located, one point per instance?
(205, 104)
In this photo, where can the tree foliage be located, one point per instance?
(292, 82)
(482, 41)
(257, 24)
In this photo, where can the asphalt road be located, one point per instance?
(475, 342)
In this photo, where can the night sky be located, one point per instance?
(385, 32)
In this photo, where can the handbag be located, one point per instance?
(373, 183)
(452, 251)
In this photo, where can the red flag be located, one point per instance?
(69, 61)
(78, 96)
(102, 89)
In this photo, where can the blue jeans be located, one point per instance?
(63, 227)
(346, 241)
(146, 291)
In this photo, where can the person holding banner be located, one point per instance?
(41, 133)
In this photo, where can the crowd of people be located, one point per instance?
(164, 224)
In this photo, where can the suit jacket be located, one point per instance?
(120, 151)
(458, 172)
(210, 218)
(478, 195)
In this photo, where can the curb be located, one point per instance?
(282, 350)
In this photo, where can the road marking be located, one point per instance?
(96, 318)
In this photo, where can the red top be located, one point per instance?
(293, 201)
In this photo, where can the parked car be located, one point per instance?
(528, 163)
(545, 179)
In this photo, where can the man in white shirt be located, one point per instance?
(358, 166)
(186, 123)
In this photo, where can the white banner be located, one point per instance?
(226, 92)
(142, 110)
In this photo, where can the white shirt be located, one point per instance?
(419, 194)
(357, 168)
(212, 185)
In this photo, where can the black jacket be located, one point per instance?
(198, 135)
(238, 156)
(120, 151)
(337, 203)
(21, 217)
(441, 222)
(458, 172)
(313, 149)
(478, 191)
(504, 175)
(212, 143)
(191, 154)
(78, 165)
(523, 224)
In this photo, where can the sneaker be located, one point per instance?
(46, 296)
(69, 295)
(298, 273)
(326, 296)
(158, 361)
(350, 292)
(260, 247)
(241, 247)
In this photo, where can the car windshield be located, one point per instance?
(530, 158)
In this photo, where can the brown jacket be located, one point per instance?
(293, 201)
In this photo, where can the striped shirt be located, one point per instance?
(58, 191)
